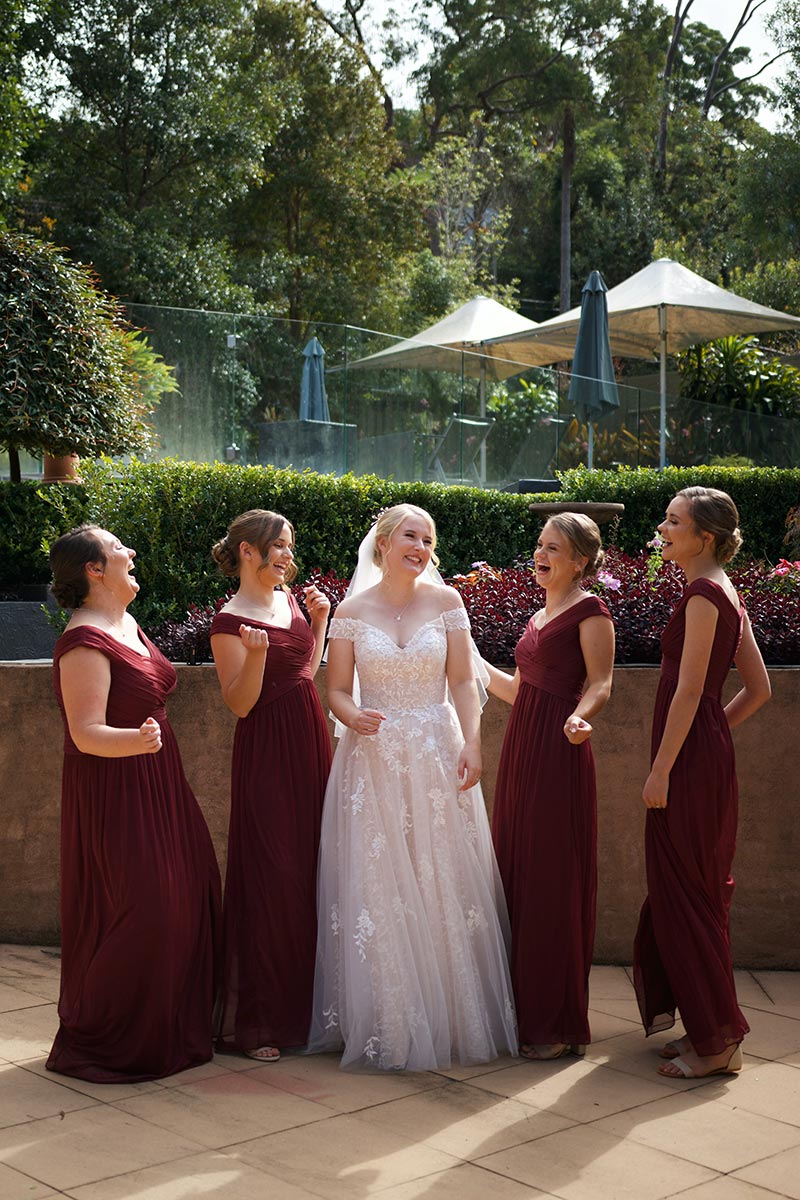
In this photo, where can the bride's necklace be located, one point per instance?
(398, 616)
(570, 596)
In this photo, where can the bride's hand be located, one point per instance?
(469, 767)
(367, 722)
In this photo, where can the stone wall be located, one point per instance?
(766, 914)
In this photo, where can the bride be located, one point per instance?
(412, 967)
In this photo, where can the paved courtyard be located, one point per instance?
(604, 1128)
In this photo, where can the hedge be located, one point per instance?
(763, 496)
(172, 512)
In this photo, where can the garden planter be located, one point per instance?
(61, 469)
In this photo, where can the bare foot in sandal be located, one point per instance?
(691, 1066)
(675, 1049)
(264, 1054)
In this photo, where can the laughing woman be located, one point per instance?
(139, 879)
(545, 809)
(266, 657)
(682, 955)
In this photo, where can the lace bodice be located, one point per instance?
(396, 678)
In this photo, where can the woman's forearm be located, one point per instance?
(593, 700)
(319, 632)
(502, 685)
(244, 689)
(105, 741)
(468, 709)
(682, 712)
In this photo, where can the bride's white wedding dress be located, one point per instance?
(412, 966)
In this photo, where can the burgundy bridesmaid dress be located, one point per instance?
(682, 953)
(140, 891)
(281, 761)
(545, 834)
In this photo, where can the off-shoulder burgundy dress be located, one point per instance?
(140, 891)
(281, 761)
(544, 827)
(682, 954)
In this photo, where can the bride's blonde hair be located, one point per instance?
(391, 518)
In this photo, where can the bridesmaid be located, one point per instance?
(266, 658)
(545, 809)
(682, 956)
(139, 880)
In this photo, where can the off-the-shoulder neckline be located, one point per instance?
(566, 612)
(388, 636)
(140, 636)
(719, 588)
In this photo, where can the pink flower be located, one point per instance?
(608, 580)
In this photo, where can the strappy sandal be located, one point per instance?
(261, 1055)
(673, 1050)
(685, 1071)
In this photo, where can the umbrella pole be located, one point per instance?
(590, 456)
(662, 381)
(482, 400)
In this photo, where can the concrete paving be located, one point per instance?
(606, 1127)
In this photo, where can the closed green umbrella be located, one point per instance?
(592, 388)
(313, 397)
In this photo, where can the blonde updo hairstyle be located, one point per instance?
(583, 535)
(714, 512)
(392, 518)
(259, 528)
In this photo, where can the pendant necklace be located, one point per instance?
(570, 596)
(403, 609)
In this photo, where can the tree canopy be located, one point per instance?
(250, 155)
(73, 377)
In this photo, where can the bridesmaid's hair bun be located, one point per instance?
(584, 535)
(259, 528)
(69, 557)
(714, 512)
(389, 519)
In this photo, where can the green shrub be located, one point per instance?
(172, 512)
(30, 513)
(763, 496)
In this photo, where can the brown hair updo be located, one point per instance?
(714, 512)
(389, 521)
(584, 536)
(258, 527)
(69, 557)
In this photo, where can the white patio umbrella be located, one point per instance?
(661, 309)
(456, 343)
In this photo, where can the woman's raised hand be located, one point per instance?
(317, 603)
(253, 639)
(150, 733)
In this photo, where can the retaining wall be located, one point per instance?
(766, 911)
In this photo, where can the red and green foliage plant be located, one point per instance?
(501, 602)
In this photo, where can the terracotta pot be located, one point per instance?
(61, 470)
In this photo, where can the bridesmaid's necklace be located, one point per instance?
(571, 594)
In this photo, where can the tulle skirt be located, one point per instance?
(412, 950)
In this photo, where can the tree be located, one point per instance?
(322, 231)
(161, 111)
(68, 382)
(18, 118)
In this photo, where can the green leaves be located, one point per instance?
(67, 378)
